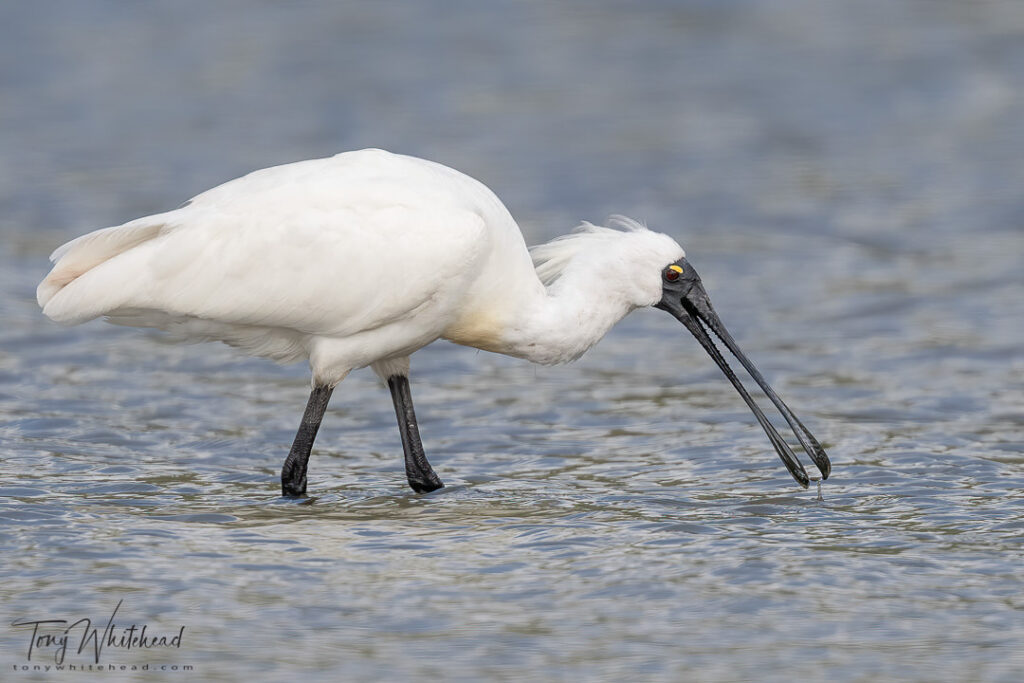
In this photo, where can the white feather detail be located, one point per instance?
(276, 343)
(552, 258)
(88, 251)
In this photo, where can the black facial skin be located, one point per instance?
(684, 297)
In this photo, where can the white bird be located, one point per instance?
(363, 258)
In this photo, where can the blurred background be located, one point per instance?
(848, 179)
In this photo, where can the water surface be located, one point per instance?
(846, 177)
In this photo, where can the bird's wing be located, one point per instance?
(315, 247)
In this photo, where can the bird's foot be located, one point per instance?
(425, 482)
(293, 487)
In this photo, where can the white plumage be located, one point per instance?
(363, 258)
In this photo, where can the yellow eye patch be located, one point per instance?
(676, 268)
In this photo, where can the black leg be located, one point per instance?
(293, 474)
(421, 476)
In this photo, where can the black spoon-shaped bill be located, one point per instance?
(684, 297)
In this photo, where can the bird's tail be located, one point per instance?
(56, 293)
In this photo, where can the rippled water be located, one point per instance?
(846, 177)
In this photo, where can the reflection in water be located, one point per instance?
(845, 178)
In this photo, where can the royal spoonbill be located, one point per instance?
(362, 258)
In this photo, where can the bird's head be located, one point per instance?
(683, 295)
(622, 262)
(639, 268)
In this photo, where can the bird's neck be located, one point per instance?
(559, 323)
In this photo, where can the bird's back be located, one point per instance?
(328, 247)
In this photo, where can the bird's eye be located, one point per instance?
(672, 273)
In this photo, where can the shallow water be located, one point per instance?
(845, 176)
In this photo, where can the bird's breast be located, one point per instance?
(480, 328)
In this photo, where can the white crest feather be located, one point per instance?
(551, 258)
